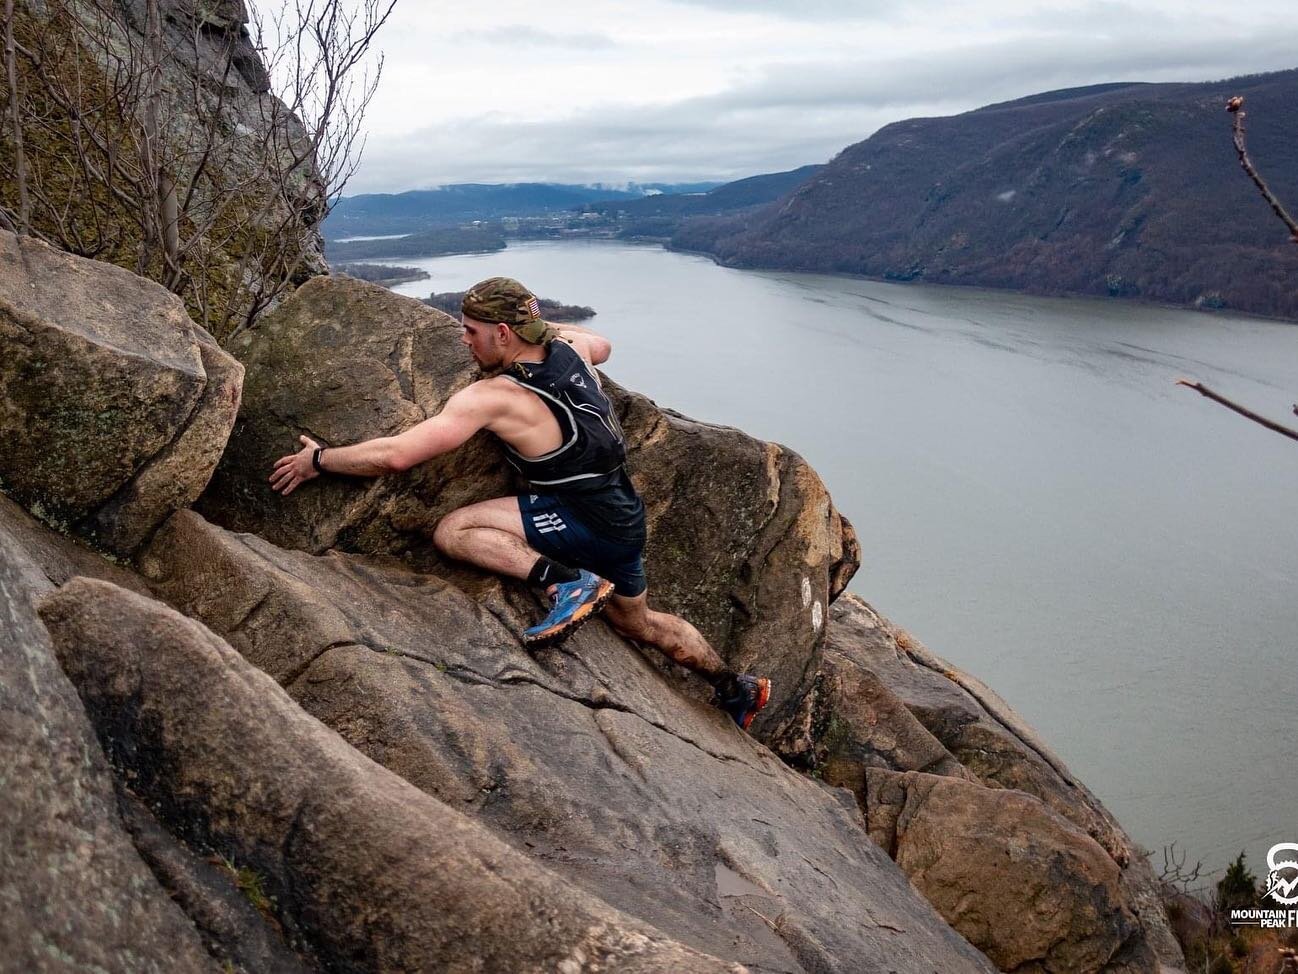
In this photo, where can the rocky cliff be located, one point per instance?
(281, 734)
(1128, 190)
(112, 147)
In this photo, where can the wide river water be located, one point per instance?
(1036, 499)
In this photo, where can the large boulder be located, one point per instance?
(114, 406)
(366, 871)
(884, 703)
(74, 894)
(587, 759)
(744, 539)
(1022, 883)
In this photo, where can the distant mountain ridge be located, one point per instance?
(1126, 189)
(753, 189)
(423, 209)
(662, 214)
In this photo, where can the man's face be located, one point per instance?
(482, 339)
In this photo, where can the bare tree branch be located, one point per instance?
(20, 161)
(1247, 413)
(1175, 873)
(166, 147)
(1236, 107)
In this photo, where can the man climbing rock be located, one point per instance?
(578, 529)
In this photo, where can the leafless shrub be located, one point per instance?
(185, 145)
(1176, 873)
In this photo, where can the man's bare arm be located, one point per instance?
(466, 412)
(594, 348)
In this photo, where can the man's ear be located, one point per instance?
(503, 331)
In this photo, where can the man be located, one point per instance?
(579, 529)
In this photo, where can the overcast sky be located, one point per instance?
(584, 91)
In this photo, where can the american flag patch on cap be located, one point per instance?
(533, 308)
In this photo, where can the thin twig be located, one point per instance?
(1247, 413)
(765, 919)
(1236, 107)
(20, 160)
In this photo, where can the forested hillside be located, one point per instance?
(1130, 190)
(424, 209)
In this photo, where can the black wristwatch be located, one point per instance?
(315, 459)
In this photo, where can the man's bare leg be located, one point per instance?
(488, 534)
(676, 638)
(741, 695)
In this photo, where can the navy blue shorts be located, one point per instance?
(554, 531)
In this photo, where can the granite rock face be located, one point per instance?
(906, 731)
(74, 893)
(114, 407)
(587, 759)
(744, 540)
(363, 869)
(332, 752)
(1022, 883)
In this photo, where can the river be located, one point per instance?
(1036, 499)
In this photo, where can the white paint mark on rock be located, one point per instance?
(806, 592)
(817, 616)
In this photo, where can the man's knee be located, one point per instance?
(446, 530)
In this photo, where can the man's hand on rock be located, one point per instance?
(294, 469)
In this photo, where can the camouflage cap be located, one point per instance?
(504, 300)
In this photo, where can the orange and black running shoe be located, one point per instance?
(573, 604)
(742, 696)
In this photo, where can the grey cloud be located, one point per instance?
(603, 147)
(791, 115)
(985, 73)
(1097, 16)
(818, 10)
(523, 36)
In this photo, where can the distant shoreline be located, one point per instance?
(990, 289)
(375, 273)
(1030, 292)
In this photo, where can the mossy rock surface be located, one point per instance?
(100, 370)
(114, 408)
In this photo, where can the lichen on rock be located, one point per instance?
(114, 406)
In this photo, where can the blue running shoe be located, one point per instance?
(742, 696)
(574, 603)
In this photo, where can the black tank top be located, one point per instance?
(588, 467)
(593, 446)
